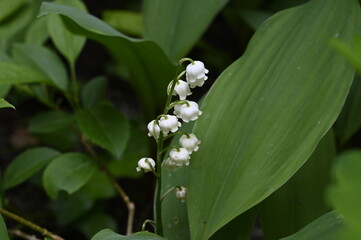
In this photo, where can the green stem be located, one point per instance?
(74, 85)
(160, 143)
(29, 224)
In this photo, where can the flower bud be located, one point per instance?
(196, 74)
(181, 88)
(189, 142)
(171, 165)
(169, 123)
(181, 193)
(153, 129)
(179, 156)
(187, 111)
(147, 164)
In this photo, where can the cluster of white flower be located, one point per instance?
(185, 111)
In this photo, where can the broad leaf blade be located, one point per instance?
(12, 73)
(325, 228)
(3, 230)
(43, 60)
(300, 200)
(27, 164)
(108, 234)
(68, 172)
(267, 112)
(176, 25)
(93, 92)
(50, 121)
(105, 126)
(69, 44)
(151, 69)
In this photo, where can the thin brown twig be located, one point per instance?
(29, 224)
(130, 205)
(23, 235)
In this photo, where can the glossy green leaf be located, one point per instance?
(37, 33)
(125, 21)
(9, 7)
(349, 120)
(108, 234)
(5, 104)
(177, 25)
(255, 18)
(106, 126)
(98, 186)
(27, 164)
(345, 193)
(12, 73)
(68, 172)
(325, 228)
(68, 43)
(151, 69)
(267, 112)
(49, 121)
(44, 60)
(93, 92)
(3, 230)
(301, 200)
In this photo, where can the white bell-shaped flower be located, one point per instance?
(147, 164)
(181, 88)
(196, 74)
(169, 123)
(170, 164)
(189, 142)
(179, 156)
(187, 111)
(181, 193)
(153, 129)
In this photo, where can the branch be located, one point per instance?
(29, 224)
(23, 235)
(130, 205)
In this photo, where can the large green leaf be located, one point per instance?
(12, 73)
(176, 25)
(323, 228)
(105, 126)
(3, 230)
(44, 60)
(151, 69)
(69, 44)
(345, 193)
(68, 172)
(93, 92)
(301, 199)
(267, 112)
(27, 164)
(8, 7)
(108, 234)
(50, 121)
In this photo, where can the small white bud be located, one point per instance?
(153, 129)
(187, 111)
(181, 193)
(196, 74)
(181, 88)
(169, 123)
(147, 164)
(179, 156)
(189, 142)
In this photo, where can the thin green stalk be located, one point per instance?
(160, 143)
(29, 224)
